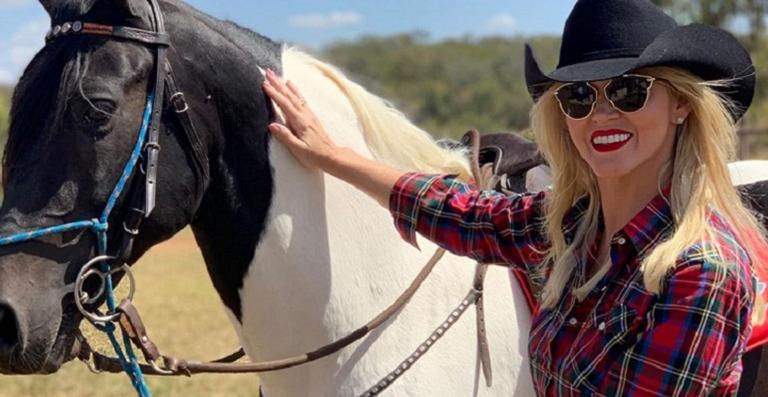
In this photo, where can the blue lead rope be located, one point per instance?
(100, 227)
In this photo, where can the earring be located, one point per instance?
(680, 120)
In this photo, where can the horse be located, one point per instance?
(298, 258)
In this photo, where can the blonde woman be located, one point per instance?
(642, 247)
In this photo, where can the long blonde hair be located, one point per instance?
(706, 142)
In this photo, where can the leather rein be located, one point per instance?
(141, 206)
(131, 323)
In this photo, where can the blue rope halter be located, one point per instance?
(100, 227)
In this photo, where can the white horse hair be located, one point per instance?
(748, 171)
(330, 260)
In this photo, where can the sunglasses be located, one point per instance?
(628, 93)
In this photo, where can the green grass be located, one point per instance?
(183, 315)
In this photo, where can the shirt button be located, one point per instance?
(601, 327)
(621, 241)
(573, 321)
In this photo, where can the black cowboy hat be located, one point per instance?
(603, 39)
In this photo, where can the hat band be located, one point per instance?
(607, 54)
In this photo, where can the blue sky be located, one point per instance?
(315, 23)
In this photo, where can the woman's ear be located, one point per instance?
(680, 108)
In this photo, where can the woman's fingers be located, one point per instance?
(289, 94)
(282, 101)
(296, 93)
(285, 135)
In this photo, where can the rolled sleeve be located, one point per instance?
(488, 226)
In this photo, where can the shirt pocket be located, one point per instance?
(621, 325)
(611, 333)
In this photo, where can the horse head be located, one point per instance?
(75, 118)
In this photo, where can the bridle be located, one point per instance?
(141, 202)
(141, 199)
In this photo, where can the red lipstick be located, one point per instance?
(609, 140)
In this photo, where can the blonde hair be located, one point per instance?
(706, 142)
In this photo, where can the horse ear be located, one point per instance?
(138, 13)
(128, 8)
(63, 8)
(50, 6)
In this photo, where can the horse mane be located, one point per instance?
(386, 130)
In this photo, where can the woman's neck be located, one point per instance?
(622, 198)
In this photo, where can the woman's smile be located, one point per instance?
(610, 140)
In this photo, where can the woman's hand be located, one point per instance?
(302, 133)
(306, 138)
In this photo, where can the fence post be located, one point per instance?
(743, 146)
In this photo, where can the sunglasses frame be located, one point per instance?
(650, 80)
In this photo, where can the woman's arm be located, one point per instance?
(487, 226)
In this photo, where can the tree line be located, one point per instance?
(450, 86)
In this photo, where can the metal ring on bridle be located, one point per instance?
(82, 297)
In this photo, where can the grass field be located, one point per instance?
(184, 316)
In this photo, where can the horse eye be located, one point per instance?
(98, 113)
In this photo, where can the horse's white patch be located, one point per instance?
(330, 260)
(748, 171)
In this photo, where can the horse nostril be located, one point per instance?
(9, 332)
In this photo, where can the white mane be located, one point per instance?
(390, 136)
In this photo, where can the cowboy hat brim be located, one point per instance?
(707, 52)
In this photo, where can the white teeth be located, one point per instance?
(608, 139)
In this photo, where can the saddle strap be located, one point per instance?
(483, 181)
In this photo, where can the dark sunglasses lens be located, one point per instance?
(628, 93)
(576, 99)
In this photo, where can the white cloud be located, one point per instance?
(14, 3)
(325, 21)
(501, 24)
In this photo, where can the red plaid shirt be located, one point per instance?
(622, 340)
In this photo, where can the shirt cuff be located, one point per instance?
(405, 200)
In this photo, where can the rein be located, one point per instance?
(132, 325)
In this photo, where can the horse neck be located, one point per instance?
(215, 63)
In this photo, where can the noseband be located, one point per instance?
(140, 202)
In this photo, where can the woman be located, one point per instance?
(643, 248)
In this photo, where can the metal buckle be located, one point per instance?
(178, 109)
(82, 298)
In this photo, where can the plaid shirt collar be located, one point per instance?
(645, 230)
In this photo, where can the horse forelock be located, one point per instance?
(40, 98)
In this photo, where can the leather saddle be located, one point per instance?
(515, 161)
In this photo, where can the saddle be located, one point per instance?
(514, 162)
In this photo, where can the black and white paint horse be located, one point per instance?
(297, 257)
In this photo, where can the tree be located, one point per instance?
(722, 13)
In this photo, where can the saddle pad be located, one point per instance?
(760, 310)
